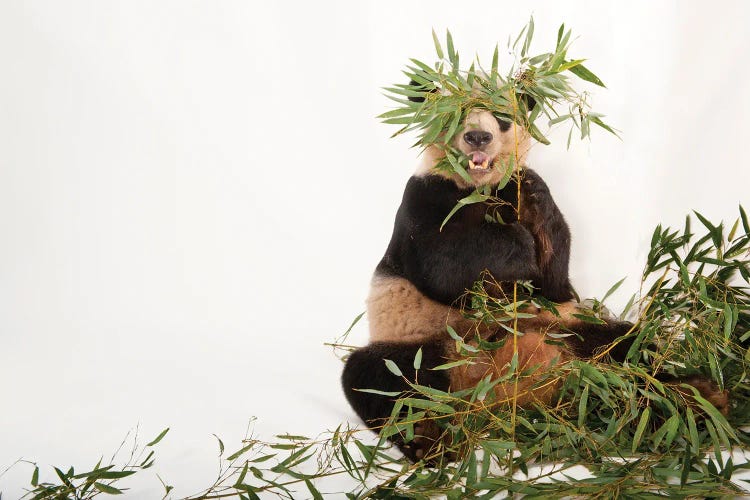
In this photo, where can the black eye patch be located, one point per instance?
(504, 125)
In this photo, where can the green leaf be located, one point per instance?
(692, 430)
(427, 404)
(589, 319)
(728, 321)
(438, 48)
(221, 445)
(239, 452)
(584, 74)
(293, 437)
(497, 447)
(529, 37)
(418, 359)
(733, 231)
(569, 64)
(458, 168)
(493, 71)
(451, 214)
(453, 364)
(159, 437)
(452, 54)
(559, 119)
(313, 490)
(455, 122)
(560, 32)
(35, 476)
(243, 473)
(267, 457)
(379, 393)
(393, 368)
(475, 197)
(105, 488)
(63, 477)
(613, 289)
(714, 231)
(714, 441)
(598, 121)
(582, 406)
(518, 38)
(672, 425)
(645, 416)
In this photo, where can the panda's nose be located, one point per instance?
(477, 138)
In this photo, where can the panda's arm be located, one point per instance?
(445, 263)
(551, 235)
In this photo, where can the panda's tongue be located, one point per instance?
(479, 160)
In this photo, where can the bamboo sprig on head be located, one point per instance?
(450, 91)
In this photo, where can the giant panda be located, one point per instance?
(418, 285)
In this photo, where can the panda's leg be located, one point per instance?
(599, 338)
(366, 369)
(592, 339)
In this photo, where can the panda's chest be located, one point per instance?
(501, 208)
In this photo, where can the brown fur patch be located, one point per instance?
(708, 389)
(546, 320)
(398, 312)
(535, 357)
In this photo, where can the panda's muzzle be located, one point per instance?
(477, 138)
(479, 160)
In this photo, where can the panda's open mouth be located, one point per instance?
(480, 161)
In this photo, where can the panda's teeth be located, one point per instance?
(471, 164)
(485, 163)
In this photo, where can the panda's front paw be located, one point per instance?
(430, 444)
(536, 204)
(708, 390)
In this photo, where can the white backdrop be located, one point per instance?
(193, 196)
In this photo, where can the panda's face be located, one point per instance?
(488, 142)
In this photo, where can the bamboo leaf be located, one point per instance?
(105, 488)
(584, 74)
(159, 437)
(589, 319)
(529, 37)
(645, 417)
(582, 405)
(393, 368)
(438, 48)
(453, 364)
(613, 289)
(313, 490)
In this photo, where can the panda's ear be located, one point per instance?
(420, 88)
(528, 100)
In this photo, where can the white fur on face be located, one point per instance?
(513, 142)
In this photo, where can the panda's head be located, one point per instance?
(488, 141)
